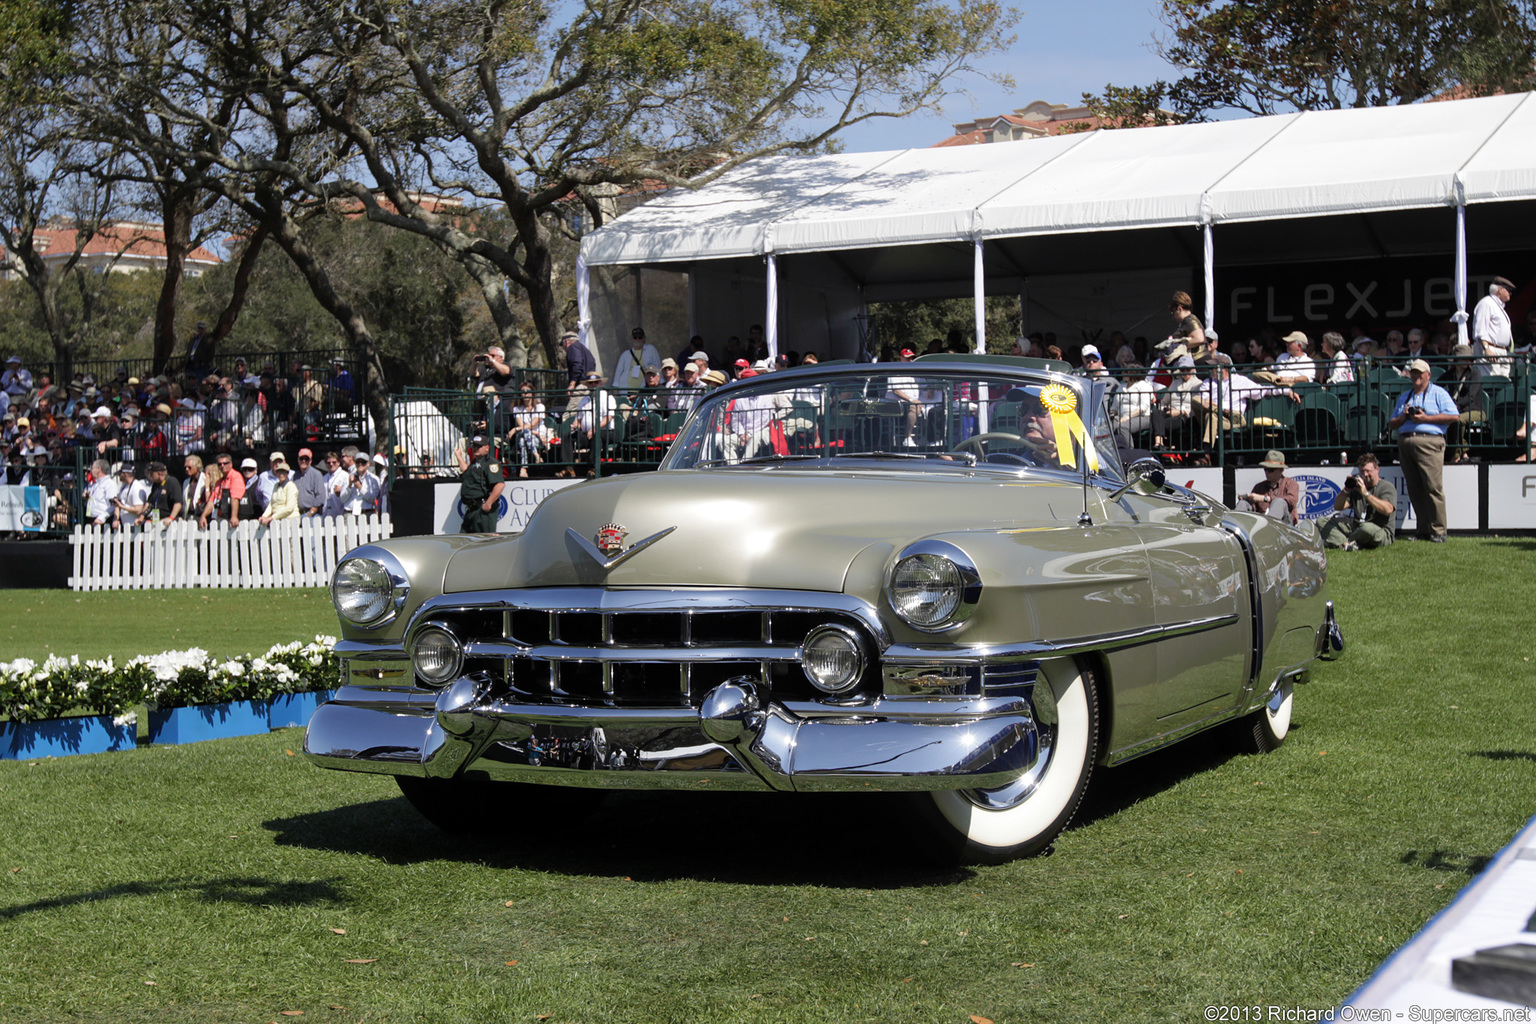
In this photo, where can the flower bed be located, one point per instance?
(32, 691)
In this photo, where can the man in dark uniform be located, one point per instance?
(481, 488)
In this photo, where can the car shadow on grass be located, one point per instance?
(837, 840)
(1112, 790)
(263, 892)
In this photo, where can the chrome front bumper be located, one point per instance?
(734, 741)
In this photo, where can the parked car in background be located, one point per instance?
(935, 578)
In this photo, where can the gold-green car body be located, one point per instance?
(847, 578)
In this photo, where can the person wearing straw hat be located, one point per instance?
(1277, 495)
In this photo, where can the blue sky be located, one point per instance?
(1064, 48)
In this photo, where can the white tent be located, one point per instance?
(998, 218)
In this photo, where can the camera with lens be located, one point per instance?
(1353, 483)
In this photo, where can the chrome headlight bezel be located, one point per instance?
(454, 668)
(962, 582)
(855, 648)
(392, 583)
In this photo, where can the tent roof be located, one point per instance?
(1257, 169)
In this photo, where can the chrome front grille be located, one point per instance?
(646, 648)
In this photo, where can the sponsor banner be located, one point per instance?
(1512, 497)
(517, 502)
(23, 509)
(1205, 479)
(1320, 485)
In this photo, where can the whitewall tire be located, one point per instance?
(991, 826)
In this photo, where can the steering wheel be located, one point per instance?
(1034, 452)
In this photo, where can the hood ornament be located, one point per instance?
(610, 539)
(607, 548)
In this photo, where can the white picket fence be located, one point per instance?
(288, 553)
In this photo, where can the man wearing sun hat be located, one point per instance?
(1277, 495)
(1491, 335)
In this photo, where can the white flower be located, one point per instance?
(233, 669)
(125, 720)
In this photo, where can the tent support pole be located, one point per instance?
(771, 320)
(1461, 274)
(583, 299)
(1023, 308)
(1210, 277)
(981, 298)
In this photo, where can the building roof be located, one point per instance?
(132, 240)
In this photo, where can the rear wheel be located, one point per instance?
(989, 826)
(480, 807)
(1265, 729)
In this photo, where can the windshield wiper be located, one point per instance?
(968, 458)
(756, 459)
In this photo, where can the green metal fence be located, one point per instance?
(1312, 422)
(554, 432)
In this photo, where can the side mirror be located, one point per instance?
(1146, 475)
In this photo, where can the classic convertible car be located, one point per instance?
(935, 578)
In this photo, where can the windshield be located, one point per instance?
(906, 413)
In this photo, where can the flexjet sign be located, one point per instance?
(1347, 302)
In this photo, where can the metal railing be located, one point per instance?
(339, 412)
(590, 432)
(1311, 421)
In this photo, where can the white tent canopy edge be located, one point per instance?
(1318, 163)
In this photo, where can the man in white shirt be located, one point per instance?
(1295, 366)
(15, 381)
(1491, 334)
(132, 501)
(100, 492)
(629, 371)
(1226, 395)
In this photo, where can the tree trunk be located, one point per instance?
(240, 288)
(538, 263)
(176, 211)
(288, 237)
(493, 289)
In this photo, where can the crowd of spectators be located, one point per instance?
(1177, 393)
(221, 428)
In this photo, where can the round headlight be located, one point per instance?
(437, 655)
(833, 659)
(362, 591)
(926, 590)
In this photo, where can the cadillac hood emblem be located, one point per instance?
(610, 539)
(607, 548)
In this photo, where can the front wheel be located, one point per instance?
(470, 807)
(1265, 729)
(989, 826)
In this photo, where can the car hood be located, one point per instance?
(778, 529)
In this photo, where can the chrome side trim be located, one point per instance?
(1255, 600)
(1146, 746)
(665, 655)
(899, 654)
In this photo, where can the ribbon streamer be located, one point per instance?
(1061, 402)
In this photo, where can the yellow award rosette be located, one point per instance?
(1061, 402)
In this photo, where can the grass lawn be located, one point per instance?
(125, 623)
(231, 881)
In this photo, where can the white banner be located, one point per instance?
(1512, 497)
(1205, 479)
(22, 509)
(1320, 485)
(518, 500)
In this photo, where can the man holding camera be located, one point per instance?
(1421, 418)
(1373, 502)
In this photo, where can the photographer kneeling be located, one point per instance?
(1365, 511)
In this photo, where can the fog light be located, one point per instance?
(437, 655)
(833, 659)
